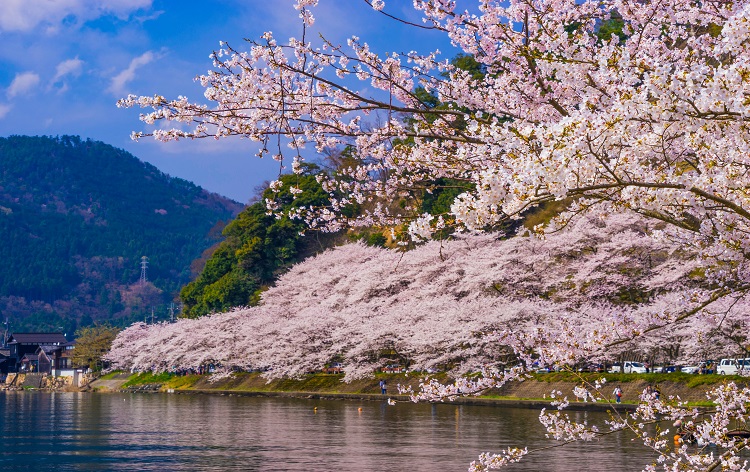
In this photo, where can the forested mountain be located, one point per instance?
(76, 216)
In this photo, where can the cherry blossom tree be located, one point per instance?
(651, 120)
(612, 106)
(464, 305)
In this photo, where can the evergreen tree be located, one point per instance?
(258, 246)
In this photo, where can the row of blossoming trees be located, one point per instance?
(650, 120)
(461, 304)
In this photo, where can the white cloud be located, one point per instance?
(25, 15)
(117, 86)
(22, 84)
(4, 109)
(69, 67)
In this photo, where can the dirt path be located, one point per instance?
(111, 384)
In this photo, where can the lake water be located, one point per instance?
(134, 432)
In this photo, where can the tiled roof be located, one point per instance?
(38, 338)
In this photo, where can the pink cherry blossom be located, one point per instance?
(651, 121)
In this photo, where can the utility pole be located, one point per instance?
(5, 333)
(144, 266)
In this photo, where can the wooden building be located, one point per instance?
(26, 345)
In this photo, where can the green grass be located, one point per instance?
(148, 378)
(505, 397)
(690, 380)
(313, 382)
(182, 381)
(702, 404)
(710, 379)
(254, 382)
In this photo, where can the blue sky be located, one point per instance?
(64, 63)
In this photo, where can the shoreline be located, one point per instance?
(533, 393)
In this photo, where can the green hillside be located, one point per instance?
(76, 216)
(258, 247)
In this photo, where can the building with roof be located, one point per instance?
(26, 346)
(4, 362)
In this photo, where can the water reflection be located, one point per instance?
(82, 432)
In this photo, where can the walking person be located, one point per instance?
(382, 387)
(618, 394)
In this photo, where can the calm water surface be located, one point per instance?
(134, 432)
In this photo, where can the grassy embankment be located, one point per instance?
(691, 388)
(254, 382)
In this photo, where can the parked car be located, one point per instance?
(536, 367)
(334, 368)
(615, 369)
(632, 367)
(591, 367)
(733, 366)
(690, 369)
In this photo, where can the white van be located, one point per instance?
(733, 366)
(632, 367)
